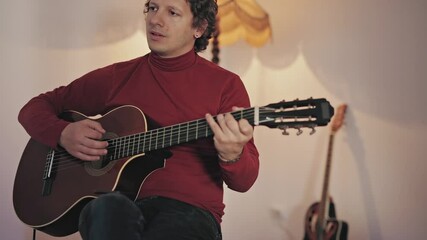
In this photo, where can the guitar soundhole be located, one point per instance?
(98, 168)
(102, 166)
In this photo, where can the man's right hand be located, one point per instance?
(82, 139)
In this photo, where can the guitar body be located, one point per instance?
(74, 185)
(334, 230)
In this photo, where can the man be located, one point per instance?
(171, 85)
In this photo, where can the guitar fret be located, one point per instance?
(139, 140)
(170, 137)
(126, 152)
(113, 150)
(191, 131)
(197, 128)
(175, 135)
(196, 132)
(113, 154)
(123, 147)
(156, 143)
(188, 127)
(155, 131)
(156, 146)
(163, 139)
(118, 148)
(127, 144)
(115, 146)
(149, 140)
(119, 143)
(152, 142)
(143, 142)
(179, 133)
(132, 145)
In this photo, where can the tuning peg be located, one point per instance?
(299, 131)
(313, 131)
(284, 130)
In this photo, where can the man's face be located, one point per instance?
(169, 27)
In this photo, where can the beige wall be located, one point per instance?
(369, 54)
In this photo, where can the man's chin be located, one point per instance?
(157, 49)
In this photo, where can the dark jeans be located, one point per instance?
(113, 216)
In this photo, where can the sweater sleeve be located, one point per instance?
(241, 175)
(87, 95)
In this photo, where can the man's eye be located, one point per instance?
(173, 13)
(151, 9)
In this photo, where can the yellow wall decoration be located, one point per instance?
(243, 19)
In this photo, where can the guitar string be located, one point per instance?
(174, 137)
(130, 140)
(127, 142)
(64, 160)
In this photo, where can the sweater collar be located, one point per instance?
(173, 64)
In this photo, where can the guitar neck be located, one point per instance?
(324, 203)
(325, 190)
(160, 138)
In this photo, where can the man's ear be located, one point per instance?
(202, 28)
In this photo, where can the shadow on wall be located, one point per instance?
(372, 54)
(369, 53)
(359, 153)
(80, 24)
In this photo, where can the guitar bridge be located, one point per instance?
(49, 173)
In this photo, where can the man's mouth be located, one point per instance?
(156, 34)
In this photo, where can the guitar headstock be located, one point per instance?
(338, 120)
(296, 114)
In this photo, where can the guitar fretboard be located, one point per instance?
(160, 138)
(325, 191)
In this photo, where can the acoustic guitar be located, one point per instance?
(320, 219)
(51, 187)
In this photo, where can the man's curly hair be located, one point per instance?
(204, 10)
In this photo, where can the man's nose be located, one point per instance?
(156, 18)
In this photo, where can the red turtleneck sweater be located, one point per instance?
(168, 91)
